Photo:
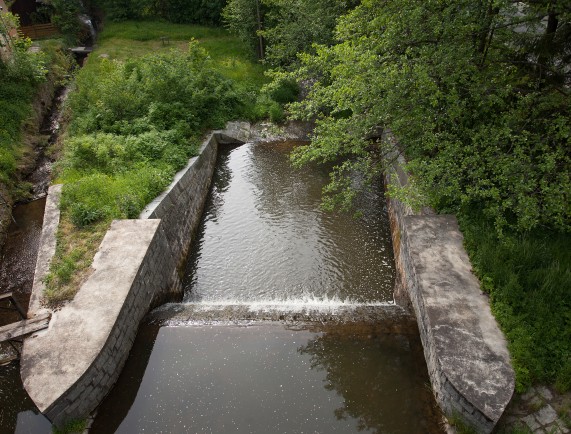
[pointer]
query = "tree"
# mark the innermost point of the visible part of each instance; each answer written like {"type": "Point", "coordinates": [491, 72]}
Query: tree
{"type": "Point", "coordinates": [293, 26]}
{"type": "Point", "coordinates": [477, 92]}
{"type": "Point", "coordinates": [245, 18]}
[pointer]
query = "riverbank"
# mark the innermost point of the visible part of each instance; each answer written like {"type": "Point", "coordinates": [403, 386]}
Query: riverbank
{"type": "Point", "coordinates": [137, 112]}
{"type": "Point", "coordinates": [25, 104]}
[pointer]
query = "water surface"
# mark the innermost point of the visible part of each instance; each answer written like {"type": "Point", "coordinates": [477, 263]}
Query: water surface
{"type": "Point", "coordinates": [271, 379]}
{"type": "Point", "coordinates": [265, 239]}
{"type": "Point", "coordinates": [265, 245]}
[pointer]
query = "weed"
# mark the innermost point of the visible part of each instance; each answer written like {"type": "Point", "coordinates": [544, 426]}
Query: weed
{"type": "Point", "coordinates": [72, 427]}
{"type": "Point", "coordinates": [528, 277]}
{"type": "Point", "coordinates": [461, 426]}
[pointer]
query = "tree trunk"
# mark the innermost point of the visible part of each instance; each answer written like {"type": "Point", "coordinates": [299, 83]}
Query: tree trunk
{"type": "Point", "coordinates": [261, 50]}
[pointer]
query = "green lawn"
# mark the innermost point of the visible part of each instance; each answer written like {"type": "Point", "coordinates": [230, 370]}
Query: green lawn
{"type": "Point", "coordinates": [130, 39]}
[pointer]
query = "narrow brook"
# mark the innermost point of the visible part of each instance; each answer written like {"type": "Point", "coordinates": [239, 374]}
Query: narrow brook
{"type": "Point", "coordinates": [280, 329]}
{"type": "Point", "coordinates": [17, 262]}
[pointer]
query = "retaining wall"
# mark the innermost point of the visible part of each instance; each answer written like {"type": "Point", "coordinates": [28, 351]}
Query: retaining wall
{"type": "Point", "coordinates": [69, 368]}
{"type": "Point", "coordinates": [465, 351]}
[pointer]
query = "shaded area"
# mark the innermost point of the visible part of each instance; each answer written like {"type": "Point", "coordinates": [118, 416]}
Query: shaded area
{"type": "Point", "coordinates": [18, 414]}
{"type": "Point", "coordinates": [19, 253]}
{"type": "Point", "coordinates": [382, 379]}
{"type": "Point", "coordinates": [271, 378]}
{"type": "Point", "coordinates": [117, 405]}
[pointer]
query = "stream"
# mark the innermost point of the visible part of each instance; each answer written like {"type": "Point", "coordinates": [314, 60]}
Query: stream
{"type": "Point", "coordinates": [266, 249]}
{"type": "Point", "coordinates": [17, 264]}
{"type": "Point", "coordinates": [280, 328]}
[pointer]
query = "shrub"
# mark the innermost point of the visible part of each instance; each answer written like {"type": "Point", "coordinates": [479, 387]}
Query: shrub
{"type": "Point", "coordinates": [284, 91]}
{"type": "Point", "coordinates": [528, 277]}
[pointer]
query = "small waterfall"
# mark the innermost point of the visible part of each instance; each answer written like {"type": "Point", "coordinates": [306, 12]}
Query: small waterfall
{"type": "Point", "coordinates": [331, 311]}
{"type": "Point", "coordinates": [85, 19]}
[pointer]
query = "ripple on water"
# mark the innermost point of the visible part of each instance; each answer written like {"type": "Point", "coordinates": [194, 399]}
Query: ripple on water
{"type": "Point", "coordinates": [264, 236]}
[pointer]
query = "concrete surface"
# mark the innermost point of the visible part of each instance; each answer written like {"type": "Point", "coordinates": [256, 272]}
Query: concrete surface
{"type": "Point", "coordinates": [465, 346]}
{"type": "Point", "coordinates": [53, 361]}
{"type": "Point", "coordinates": [46, 249]}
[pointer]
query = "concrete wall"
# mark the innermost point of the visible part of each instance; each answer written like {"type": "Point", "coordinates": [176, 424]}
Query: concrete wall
{"type": "Point", "coordinates": [465, 352]}
{"type": "Point", "coordinates": [69, 368]}
{"type": "Point", "coordinates": [179, 208]}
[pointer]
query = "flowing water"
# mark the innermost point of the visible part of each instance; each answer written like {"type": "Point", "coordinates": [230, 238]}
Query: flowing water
{"type": "Point", "coordinates": [265, 240]}
{"type": "Point", "coordinates": [328, 362]}
{"type": "Point", "coordinates": [17, 411]}
{"type": "Point", "coordinates": [17, 263]}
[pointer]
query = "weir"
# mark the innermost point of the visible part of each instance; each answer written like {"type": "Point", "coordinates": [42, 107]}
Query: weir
{"type": "Point", "coordinates": [288, 322]}
{"type": "Point", "coordinates": [254, 261]}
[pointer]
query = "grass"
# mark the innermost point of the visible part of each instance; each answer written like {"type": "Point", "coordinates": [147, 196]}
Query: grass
{"type": "Point", "coordinates": [134, 122]}
{"type": "Point", "coordinates": [528, 278]}
{"type": "Point", "coordinates": [19, 86]}
{"type": "Point", "coordinates": [130, 39]}
{"type": "Point", "coordinates": [72, 260]}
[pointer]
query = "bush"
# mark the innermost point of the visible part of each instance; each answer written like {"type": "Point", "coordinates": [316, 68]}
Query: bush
{"type": "Point", "coordinates": [98, 196]}
{"type": "Point", "coordinates": [165, 91]}
{"type": "Point", "coordinates": [134, 124]}
{"type": "Point", "coordinates": [284, 91]}
{"type": "Point", "coordinates": [528, 277]}
{"type": "Point", "coordinates": [276, 113]}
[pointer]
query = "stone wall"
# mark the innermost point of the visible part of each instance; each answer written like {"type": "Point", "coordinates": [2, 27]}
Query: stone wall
{"type": "Point", "coordinates": [69, 368]}
{"type": "Point", "coordinates": [179, 208]}
{"type": "Point", "coordinates": [465, 352]}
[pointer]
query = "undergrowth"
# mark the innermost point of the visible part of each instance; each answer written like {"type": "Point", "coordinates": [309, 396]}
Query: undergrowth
{"type": "Point", "coordinates": [20, 78]}
{"type": "Point", "coordinates": [528, 279]}
{"type": "Point", "coordinates": [135, 117]}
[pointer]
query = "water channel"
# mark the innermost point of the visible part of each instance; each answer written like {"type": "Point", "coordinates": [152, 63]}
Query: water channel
{"type": "Point", "coordinates": [265, 245]}
{"type": "Point", "coordinates": [265, 249]}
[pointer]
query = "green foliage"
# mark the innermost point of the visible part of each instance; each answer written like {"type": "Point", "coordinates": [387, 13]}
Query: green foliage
{"type": "Point", "coordinates": [244, 18]}
{"type": "Point", "coordinates": [528, 277]}
{"type": "Point", "coordinates": [134, 124]}
{"type": "Point", "coordinates": [181, 92]}
{"type": "Point", "coordinates": [283, 91]}
{"type": "Point", "coordinates": [20, 74]}
{"type": "Point", "coordinates": [294, 26]}
{"type": "Point", "coordinates": [100, 196]}
{"type": "Point", "coordinates": [66, 18]}
{"type": "Point", "coordinates": [122, 10]}
{"type": "Point", "coordinates": [277, 30]}
{"type": "Point", "coordinates": [72, 427]}
{"type": "Point", "coordinates": [176, 11]}
{"type": "Point", "coordinates": [479, 123]}
{"type": "Point", "coordinates": [191, 11]}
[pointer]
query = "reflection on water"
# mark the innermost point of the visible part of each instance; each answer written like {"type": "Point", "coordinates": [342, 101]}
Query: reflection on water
{"type": "Point", "coordinates": [17, 263]}
{"type": "Point", "coordinates": [18, 414]}
{"type": "Point", "coordinates": [271, 379]}
{"type": "Point", "coordinates": [18, 258]}
{"type": "Point", "coordinates": [265, 238]}
{"type": "Point", "coordinates": [381, 378]}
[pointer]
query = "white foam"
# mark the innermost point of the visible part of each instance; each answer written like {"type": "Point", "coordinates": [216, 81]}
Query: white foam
{"type": "Point", "coordinates": [308, 303]}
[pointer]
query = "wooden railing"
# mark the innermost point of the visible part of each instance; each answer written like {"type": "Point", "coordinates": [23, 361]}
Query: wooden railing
{"type": "Point", "coordinates": [38, 31]}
